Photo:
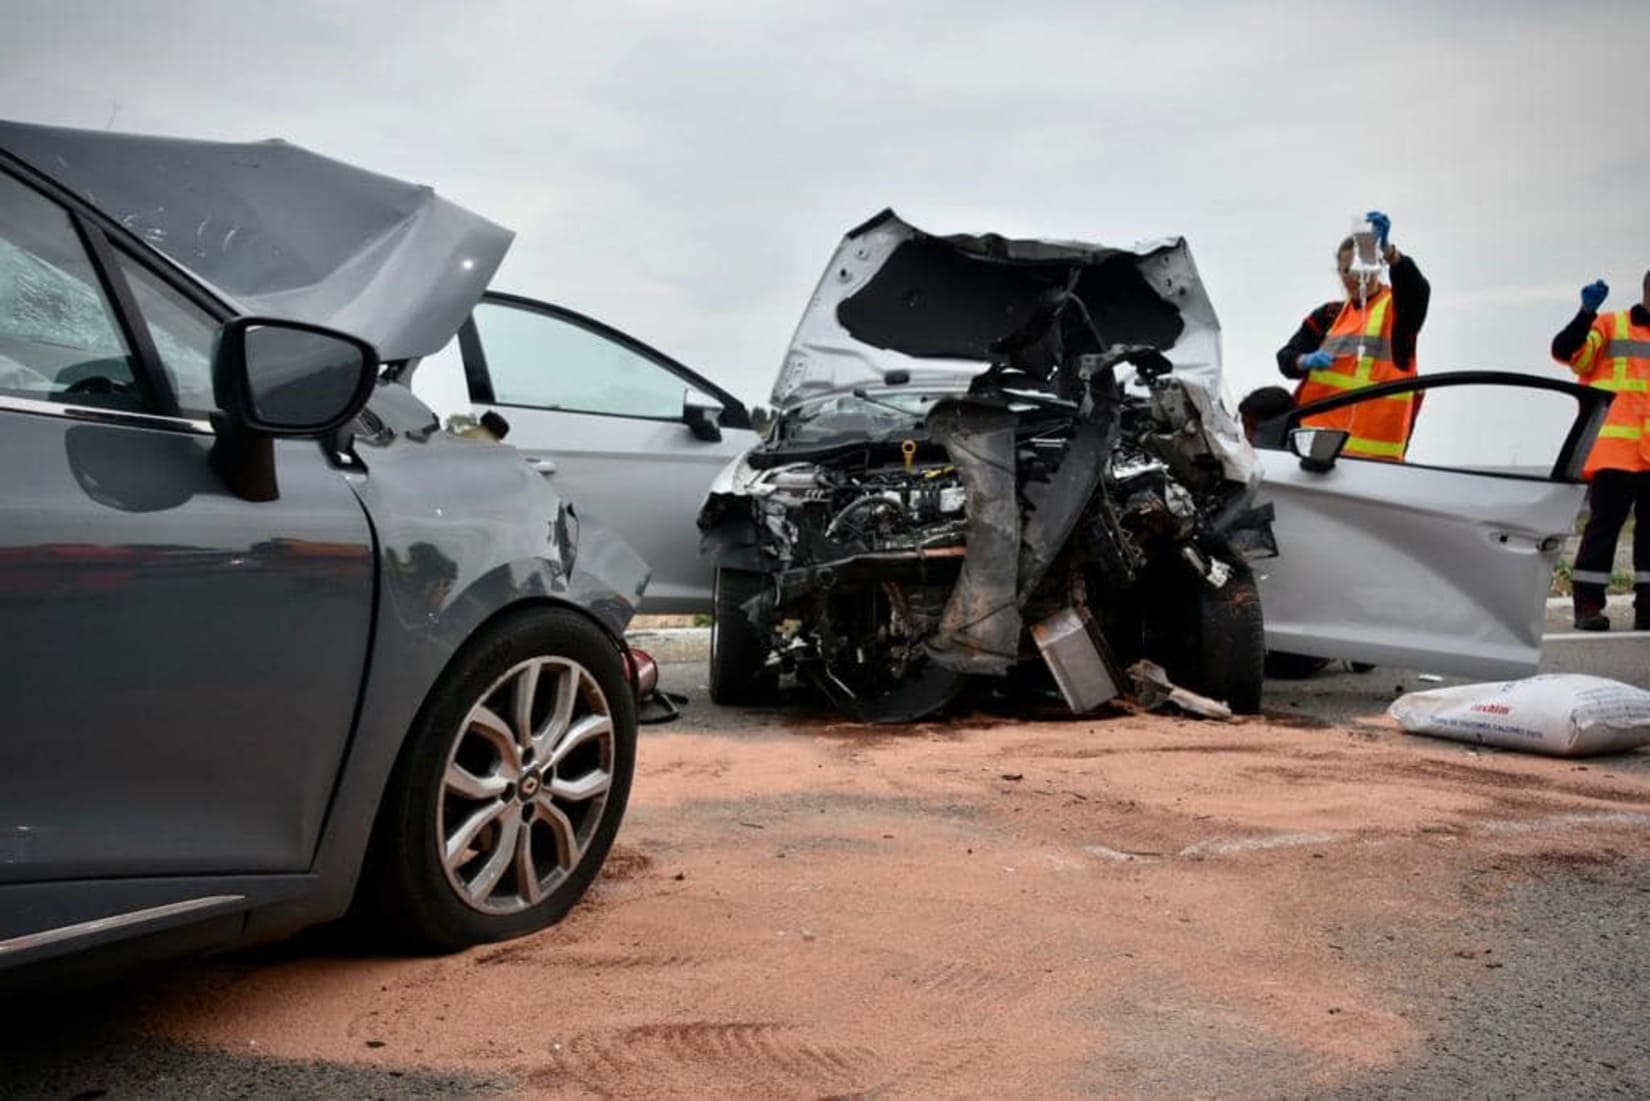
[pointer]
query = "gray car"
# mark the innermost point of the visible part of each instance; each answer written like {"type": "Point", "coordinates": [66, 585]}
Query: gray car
{"type": "Point", "coordinates": [274, 643]}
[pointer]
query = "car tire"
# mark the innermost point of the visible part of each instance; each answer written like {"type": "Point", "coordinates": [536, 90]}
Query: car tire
{"type": "Point", "coordinates": [507, 795]}
{"type": "Point", "coordinates": [1227, 658]}
{"type": "Point", "coordinates": [739, 673]}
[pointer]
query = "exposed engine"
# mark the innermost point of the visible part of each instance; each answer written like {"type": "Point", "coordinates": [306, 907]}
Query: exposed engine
{"type": "Point", "coordinates": [901, 565]}
{"type": "Point", "coordinates": [960, 485]}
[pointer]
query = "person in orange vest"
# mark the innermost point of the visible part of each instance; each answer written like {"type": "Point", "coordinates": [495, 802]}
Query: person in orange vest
{"type": "Point", "coordinates": [1612, 351]}
{"type": "Point", "coordinates": [1367, 338]}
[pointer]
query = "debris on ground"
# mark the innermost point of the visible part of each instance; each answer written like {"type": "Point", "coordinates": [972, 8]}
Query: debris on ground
{"type": "Point", "coordinates": [1558, 714]}
{"type": "Point", "coordinates": [1153, 690]}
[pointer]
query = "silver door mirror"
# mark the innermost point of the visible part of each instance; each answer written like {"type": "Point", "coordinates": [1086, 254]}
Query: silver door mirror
{"type": "Point", "coordinates": [703, 415]}
{"type": "Point", "coordinates": [1318, 448]}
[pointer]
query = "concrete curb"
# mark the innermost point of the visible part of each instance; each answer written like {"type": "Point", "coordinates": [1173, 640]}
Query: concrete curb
{"type": "Point", "coordinates": [673, 643]}
{"type": "Point", "coordinates": [1561, 613]}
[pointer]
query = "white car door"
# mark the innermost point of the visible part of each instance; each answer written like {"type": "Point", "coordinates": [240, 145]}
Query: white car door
{"type": "Point", "coordinates": [1442, 562]}
{"type": "Point", "coordinates": [630, 436]}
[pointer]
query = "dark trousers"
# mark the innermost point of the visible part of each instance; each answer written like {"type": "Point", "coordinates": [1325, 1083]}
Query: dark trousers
{"type": "Point", "coordinates": [1612, 495]}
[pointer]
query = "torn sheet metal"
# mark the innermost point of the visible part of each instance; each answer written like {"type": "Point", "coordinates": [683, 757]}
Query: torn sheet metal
{"type": "Point", "coordinates": [1153, 689]}
{"type": "Point", "coordinates": [994, 470]}
{"type": "Point", "coordinates": [979, 631]}
{"type": "Point", "coordinates": [280, 231]}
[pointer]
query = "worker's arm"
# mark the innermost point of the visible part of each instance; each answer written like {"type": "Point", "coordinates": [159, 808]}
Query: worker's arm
{"type": "Point", "coordinates": [1411, 294]}
{"type": "Point", "coordinates": [1307, 339]}
{"type": "Point", "coordinates": [1577, 344]}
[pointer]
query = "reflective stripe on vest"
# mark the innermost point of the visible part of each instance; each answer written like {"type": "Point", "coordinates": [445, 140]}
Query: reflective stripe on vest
{"type": "Point", "coordinates": [1620, 350]}
{"type": "Point", "coordinates": [1368, 348]}
{"type": "Point", "coordinates": [1381, 449]}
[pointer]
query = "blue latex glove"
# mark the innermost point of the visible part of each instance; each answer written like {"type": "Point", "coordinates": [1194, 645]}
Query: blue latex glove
{"type": "Point", "coordinates": [1317, 361]}
{"type": "Point", "coordinates": [1382, 224]}
{"type": "Point", "coordinates": [1593, 295]}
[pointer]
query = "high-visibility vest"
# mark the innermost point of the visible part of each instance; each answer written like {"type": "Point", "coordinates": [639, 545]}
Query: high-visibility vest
{"type": "Point", "coordinates": [1361, 342]}
{"type": "Point", "coordinates": [1616, 357]}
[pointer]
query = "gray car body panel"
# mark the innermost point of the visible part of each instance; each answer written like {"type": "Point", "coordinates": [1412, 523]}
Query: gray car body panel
{"type": "Point", "coordinates": [279, 231]}
{"type": "Point", "coordinates": [156, 624]}
{"type": "Point", "coordinates": [465, 533]}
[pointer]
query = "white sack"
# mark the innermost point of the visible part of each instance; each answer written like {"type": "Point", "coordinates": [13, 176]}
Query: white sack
{"type": "Point", "coordinates": [1559, 714]}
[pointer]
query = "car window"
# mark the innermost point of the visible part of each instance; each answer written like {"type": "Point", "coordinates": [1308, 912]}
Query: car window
{"type": "Point", "coordinates": [539, 360]}
{"type": "Point", "coordinates": [1504, 429]}
{"type": "Point", "coordinates": [59, 339]}
{"type": "Point", "coordinates": [182, 333]}
{"type": "Point", "coordinates": [1487, 427]}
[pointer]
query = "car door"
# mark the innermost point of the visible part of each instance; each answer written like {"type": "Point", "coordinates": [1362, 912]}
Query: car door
{"type": "Point", "coordinates": [180, 667]}
{"type": "Point", "coordinates": [1442, 562]}
{"type": "Point", "coordinates": [605, 416]}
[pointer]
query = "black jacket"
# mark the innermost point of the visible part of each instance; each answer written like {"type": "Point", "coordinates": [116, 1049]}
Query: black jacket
{"type": "Point", "coordinates": [1410, 295]}
{"type": "Point", "coordinates": [1572, 336]}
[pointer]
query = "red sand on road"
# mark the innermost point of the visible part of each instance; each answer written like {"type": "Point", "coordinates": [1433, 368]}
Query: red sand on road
{"type": "Point", "coordinates": [1043, 908]}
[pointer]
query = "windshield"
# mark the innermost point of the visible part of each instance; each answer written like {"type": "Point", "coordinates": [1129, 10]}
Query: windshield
{"type": "Point", "coordinates": [873, 417]}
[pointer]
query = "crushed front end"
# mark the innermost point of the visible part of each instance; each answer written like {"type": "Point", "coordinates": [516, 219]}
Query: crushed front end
{"type": "Point", "coordinates": [1030, 519]}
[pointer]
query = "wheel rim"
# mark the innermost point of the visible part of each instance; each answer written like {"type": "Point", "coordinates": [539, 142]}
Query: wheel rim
{"type": "Point", "coordinates": [524, 786]}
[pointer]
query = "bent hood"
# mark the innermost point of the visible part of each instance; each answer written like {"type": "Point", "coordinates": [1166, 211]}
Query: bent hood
{"type": "Point", "coordinates": [940, 308]}
{"type": "Point", "coordinates": [279, 231]}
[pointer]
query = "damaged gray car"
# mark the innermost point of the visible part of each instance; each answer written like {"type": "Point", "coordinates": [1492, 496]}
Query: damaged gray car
{"type": "Point", "coordinates": [996, 459]}
{"type": "Point", "coordinates": [277, 648]}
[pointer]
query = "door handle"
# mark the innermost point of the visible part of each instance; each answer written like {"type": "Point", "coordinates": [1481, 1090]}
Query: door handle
{"type": "Point", "coordinates": [543, 466]}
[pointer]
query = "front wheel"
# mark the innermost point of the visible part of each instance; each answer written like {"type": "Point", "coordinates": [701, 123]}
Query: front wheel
{"type": "Point", "coordinates": [739, 672]}
{"type": "Point", "coordinates": [508, 794]}
{"type": "Point", "coordinates": [1224, 653]}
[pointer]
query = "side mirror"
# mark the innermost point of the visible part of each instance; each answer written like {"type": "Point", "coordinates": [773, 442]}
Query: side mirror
{"type": "Point", "coordinates": [703, 416]}
{"type": "Point", "coordinates": [274, 378]}
{"type": "Point", "coordinates": [1318, 448]}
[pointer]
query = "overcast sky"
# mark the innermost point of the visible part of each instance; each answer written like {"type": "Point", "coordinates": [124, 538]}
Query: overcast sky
{"type": "Point", "coordinates": [683, 171]}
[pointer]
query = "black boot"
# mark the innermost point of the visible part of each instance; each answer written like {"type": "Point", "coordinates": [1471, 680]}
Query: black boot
{"type": "Point", "coordinates": [1594, 621]}
{"type": "Point", "coordinates": [1641, 619]}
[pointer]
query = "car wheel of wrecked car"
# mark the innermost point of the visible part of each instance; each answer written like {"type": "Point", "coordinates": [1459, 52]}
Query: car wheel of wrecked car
{"type": "Point", "coordinates": [738, 651]}
{"type": "Point", "coordinates": [510, 789]}
{"type": "Point", "coordinates": [1223, 653]}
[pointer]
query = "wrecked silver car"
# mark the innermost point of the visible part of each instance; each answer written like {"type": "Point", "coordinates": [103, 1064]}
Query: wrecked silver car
{"type": "Point", "coordinates": [996, 459]}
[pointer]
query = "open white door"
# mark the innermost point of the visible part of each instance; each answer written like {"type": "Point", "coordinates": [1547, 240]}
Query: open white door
{"type": "Point", "coordinates": [1436, 563]}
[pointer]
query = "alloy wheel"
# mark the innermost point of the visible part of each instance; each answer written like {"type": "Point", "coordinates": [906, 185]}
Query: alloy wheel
{"type": "Point", "coordinates": [525, 782]}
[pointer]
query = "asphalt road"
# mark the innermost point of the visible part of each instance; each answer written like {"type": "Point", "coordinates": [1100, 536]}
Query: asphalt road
{"type": "Point", "coordinates": [1546, 997]}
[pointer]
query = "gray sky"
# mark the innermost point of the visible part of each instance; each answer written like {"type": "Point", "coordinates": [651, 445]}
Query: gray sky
{"type": "Point", "coordinates": [683, 171]}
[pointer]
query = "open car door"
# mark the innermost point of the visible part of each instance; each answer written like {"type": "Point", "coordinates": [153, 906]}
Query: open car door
{"type": "Point", "coordinates": [1442, 562]}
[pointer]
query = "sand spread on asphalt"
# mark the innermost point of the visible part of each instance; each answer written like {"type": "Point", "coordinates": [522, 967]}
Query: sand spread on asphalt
{"type": "Point", "coordinates": [1137, 904]}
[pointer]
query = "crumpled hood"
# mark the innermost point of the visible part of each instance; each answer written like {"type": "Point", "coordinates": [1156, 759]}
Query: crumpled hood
{"type": "Point", "coordinates": [279, 231]}
{"type": "Point", "coordinates": [938, 308]}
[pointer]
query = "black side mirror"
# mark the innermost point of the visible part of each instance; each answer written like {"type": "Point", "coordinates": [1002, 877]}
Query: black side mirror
{"type": "Point", "coordinates": [703, 416]}
{"type": "Point", "coordinates": [1318, 448]}
{"type": "Point", "coordinates": [275, 378]}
